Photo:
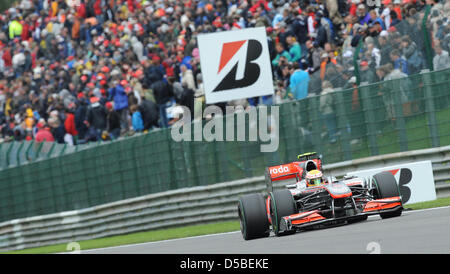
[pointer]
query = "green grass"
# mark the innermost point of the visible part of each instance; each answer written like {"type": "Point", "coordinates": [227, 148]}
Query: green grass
{"type": "Point", "coordinates": [139, 237]}
{"type": "Point", "coordinates": [436, 203]}
{"type": "Point", "coordinates": [174, 233]}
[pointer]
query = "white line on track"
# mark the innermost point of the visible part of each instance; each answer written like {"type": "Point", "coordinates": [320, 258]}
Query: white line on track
{"type": "Point", "coordinates": [233, 232]}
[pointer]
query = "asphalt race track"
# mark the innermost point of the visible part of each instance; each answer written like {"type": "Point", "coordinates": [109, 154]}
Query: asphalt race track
{"type": "Point", "coordinates": [420, 231]}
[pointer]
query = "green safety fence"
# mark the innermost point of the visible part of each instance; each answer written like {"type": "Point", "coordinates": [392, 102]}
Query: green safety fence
{"type": "Point", "coordinates": [19, 153]}
{"type": "Point", "coordinates": [367, 118]}
{"type": "Point", "coordinates": [385, 117]}
{"type": "Point", "coordinates": [6, 4]}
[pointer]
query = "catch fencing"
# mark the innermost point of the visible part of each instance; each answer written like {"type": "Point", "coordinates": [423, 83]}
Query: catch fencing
{"type": "Point", "coordinates": [186, 206]}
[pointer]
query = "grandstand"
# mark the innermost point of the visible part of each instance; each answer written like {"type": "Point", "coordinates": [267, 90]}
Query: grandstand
{"type": "Point", "coordinates": [72, 70]}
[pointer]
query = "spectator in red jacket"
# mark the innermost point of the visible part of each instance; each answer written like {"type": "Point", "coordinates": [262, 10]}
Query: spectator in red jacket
{"type": "Point", "coordinates": [98, 11]}
{"type": "Point", "coordinates": [43, 134]}
{"type": "Point", "coordinates": [69, 123]}
{"type": "Point", "coordinates": [25, 30]}
{"type": "Point", "coordinates": [7, 58]}
{"type": "Point", "coordinates": [81, 10]}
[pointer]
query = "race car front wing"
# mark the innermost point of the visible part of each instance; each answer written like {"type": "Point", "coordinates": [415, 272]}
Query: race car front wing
{"type": "Point", "coordinates": [314, 217]}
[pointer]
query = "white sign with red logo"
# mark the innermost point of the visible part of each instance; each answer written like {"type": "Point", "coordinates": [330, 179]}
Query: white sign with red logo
{"type": "Point", "coordinates": [235, 64]}
{"type": "Point", "coordinates": [415, 180]}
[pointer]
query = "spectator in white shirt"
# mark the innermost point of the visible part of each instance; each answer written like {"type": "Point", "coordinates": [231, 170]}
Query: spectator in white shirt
{"type": "Point", "coordinates": [441, 60]}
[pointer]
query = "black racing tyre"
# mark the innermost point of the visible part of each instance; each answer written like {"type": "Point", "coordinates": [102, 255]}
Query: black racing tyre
{"type": "Point", "coordinates": [387, 187]}
{"type": "Point", "coordinates": [253, 217]}
{"type": "Point", "coordinates": [282, 204]}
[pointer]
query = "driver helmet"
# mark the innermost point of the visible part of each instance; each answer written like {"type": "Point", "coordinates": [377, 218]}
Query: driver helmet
{"type": "Point", "coordinates": [314, 178]}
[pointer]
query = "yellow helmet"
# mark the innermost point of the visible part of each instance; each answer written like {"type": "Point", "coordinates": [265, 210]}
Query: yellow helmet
{"type": "Point", "coordinates": [314, 178]}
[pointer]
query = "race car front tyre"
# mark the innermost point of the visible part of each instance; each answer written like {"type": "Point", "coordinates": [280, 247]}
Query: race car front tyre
{"type": "Point", "coordinates": [252, 217]}
{"type": "Point", "coordinates": [387, 187]}
{"type": "Point", "coordinates": [281, 204]}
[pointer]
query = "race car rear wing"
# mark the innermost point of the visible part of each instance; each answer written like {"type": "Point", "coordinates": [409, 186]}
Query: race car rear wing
{"type": "Point", "coordinates": [308, 156]}
{"type": "Point", "coordinates": [288, 173]}
{"type": "Point", "coordinates": [292, 172]}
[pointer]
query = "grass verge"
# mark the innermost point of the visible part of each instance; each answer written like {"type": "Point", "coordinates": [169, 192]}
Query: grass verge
{"type": "Point", "coordinates": [179, 232]}
{"type": "Point", "coordinates": [436, 203]}
{"type": "Point", "coordinates": [139, 237]}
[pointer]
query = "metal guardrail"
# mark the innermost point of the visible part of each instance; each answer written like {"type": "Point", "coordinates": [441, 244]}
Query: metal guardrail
{"type": "Point", "coordinates": [186, 206]}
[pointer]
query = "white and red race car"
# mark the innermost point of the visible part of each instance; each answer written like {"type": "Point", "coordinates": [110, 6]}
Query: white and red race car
{"type": "Point", "coordinates": [297, 207]}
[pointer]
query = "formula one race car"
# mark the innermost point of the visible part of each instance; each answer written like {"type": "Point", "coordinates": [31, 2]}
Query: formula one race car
{"type": "Point", "coordinates": [311, 201]}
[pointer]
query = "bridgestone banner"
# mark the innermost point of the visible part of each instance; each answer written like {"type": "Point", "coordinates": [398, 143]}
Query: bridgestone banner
{"type": "Point", "coordinates": [235, 64]}
{"type": "Point", "coordinates": [415, 180]}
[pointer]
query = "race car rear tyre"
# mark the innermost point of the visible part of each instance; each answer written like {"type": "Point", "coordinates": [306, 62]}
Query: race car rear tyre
{"type": "Point", "coordinates": [387, 187]}
{"type": "Point", "coordinates": [281, 204]}
{"type": "Point", "coordinates": [252, 217]}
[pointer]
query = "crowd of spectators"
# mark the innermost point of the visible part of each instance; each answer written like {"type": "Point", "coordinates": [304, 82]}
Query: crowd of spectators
{"type": "Point", "coordinates": [75, 71]}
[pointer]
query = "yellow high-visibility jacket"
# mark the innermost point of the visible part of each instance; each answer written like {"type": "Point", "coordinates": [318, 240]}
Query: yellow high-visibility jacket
{"type": "Point", "coordinates": [15, 29]}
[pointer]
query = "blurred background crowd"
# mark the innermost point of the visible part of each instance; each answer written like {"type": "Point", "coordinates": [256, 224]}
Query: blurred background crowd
{"type": "Point", "coordinates": [76, 71]}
